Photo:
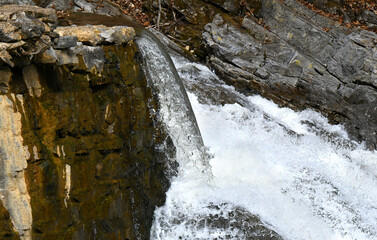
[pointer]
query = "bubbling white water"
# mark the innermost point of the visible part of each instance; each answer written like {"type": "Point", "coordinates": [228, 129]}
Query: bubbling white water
{"type": "Point", "coordinates": [276, 164]}
{"type": "Point", "coordinates": [307, 187]}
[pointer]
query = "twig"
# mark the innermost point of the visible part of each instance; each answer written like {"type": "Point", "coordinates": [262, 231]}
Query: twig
{"type": "Point", "coordinates": [162, 25]}
{"type": "Point", "coordinates": [172, 9]}
{"type": "Point", "coordinates": [159, 14]}
{"type": "Point", "coordinates": [179, 40]}
{"type": "Point", "coordinates": [174, 24]}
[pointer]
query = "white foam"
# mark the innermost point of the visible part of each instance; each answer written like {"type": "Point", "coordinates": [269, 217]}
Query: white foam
{"type": "Point", "coordinates": [304, 185]}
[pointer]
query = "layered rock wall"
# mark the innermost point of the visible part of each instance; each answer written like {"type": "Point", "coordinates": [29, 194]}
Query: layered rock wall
{"type": "Point", "coordinates": [13, 191]}
{"type": "Point", "coordinates": [302, 60]}
{"type": "Point", "coordinates": [83, 155]}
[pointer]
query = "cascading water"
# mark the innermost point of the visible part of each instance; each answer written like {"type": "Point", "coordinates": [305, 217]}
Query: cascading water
{"type": "Point", "coordinates": [276, 173]}
{"type": "Point", "coordinates": [176, 112]}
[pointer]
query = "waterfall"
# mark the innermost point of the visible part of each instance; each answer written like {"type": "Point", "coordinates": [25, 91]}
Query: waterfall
{"type": "Point", "coordinates": [175, 108]}
{"type": "Point", "coordinates": [277, 173]}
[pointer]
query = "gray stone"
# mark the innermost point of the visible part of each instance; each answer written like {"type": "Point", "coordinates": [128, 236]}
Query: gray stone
{"type": "Point", "coordinates": [43, 14]}
{"type": "Point", "coordinates": [370, 17]}
{"type": "Point", "coordinates": [364, 39]}
{"type": "Point", "coordinates": [18, 2]}
{"type": "Point", "coordinates": [65, 42]}
{"type": "Point", "coordinates": [93, 57]}
{"type": "Point", "coordinates": [300, 59]}
{"type": "Point", "coordinates": [262, 73]}
{"type": "Point", "coordinates": [30, 28]}
{"type": "Point", "coordinates": [103, 7]}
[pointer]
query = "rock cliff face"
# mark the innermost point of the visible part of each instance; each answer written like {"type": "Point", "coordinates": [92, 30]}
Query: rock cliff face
{"type": "Point", "coordinates": [287, 53]}
{"type": "Point", "coordinates": [83, 155]}
{"type": "Point", "coordinates": [302, 61]}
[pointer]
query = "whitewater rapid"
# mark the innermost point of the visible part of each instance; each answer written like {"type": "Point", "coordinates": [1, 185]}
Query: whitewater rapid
{"type": "Point", "coordinates": [299, 174]}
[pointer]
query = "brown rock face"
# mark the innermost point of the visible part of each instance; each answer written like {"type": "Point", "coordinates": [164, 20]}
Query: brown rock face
{"type": "Point", "coordinates": [96, 161]}
{"type": "Point", "coordinates": [102, 131]}
{"type": "Point", "coordinates": [7, 231]}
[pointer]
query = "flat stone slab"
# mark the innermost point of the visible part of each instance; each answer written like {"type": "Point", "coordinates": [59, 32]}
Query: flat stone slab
{"type": "Point", "coordinates": [98, 34]}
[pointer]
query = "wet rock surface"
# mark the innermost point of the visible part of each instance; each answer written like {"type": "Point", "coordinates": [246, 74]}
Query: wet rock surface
{"type": "Point", "coordinates": [245, 224]}
{"type": "Point", "coordinates": [220, 221]}
{"type": "Point", "coordinates": [97, 155]}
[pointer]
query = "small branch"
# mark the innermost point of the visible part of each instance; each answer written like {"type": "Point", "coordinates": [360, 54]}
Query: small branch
{"type": "Point", "coordinates": [172, 9]}
{"type": "Point", "coordinates": [159, 15]}
{"type": "Point", "coordinates": [176, 39]}
{"type": "Point", "coordinates": [162, 25]}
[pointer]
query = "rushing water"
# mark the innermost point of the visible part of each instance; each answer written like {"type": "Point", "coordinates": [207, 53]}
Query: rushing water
{"type": "Point", "coordinates": [176, 112]}
{"type": "Point", "coordinates": [294, 171]}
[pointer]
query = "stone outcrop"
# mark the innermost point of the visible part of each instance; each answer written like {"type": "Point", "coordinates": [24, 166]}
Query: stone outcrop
{"type": "Point", "coordinates": [83, 155]}
{"type": "Point", "coordinates": [302, 60]}
{"type": "Point", "coordinates": [287, 53]}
